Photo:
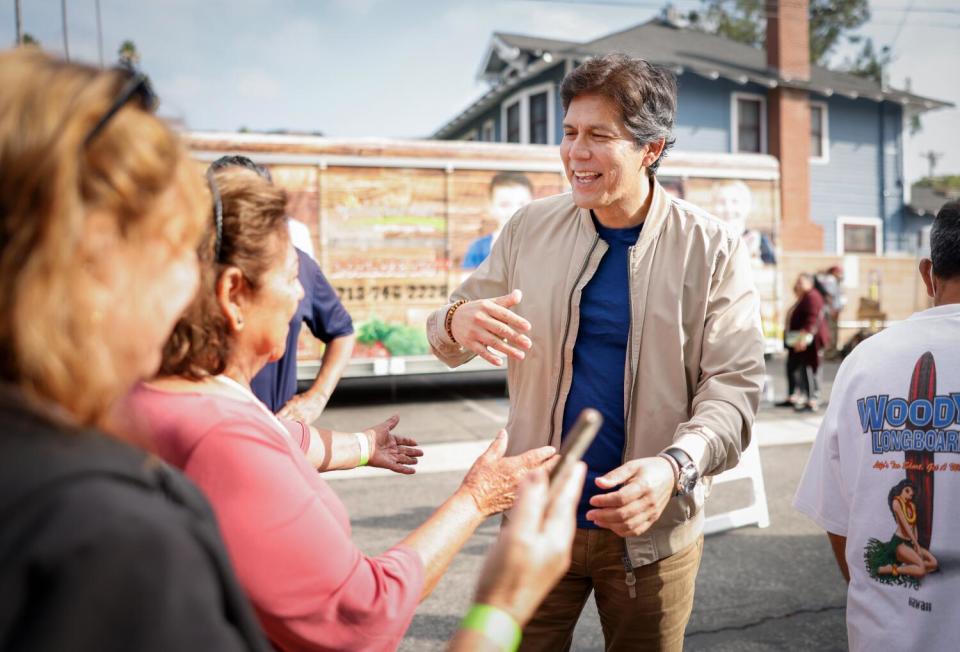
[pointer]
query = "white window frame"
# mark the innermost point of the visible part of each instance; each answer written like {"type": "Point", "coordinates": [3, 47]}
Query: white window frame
{"type": "Point", "coordinates": [504, 126]}
{"type": "Point", "coordinates": [523, 97]}
{"type": "Point", "coordinates": [488, 127]}
{"type": "Point", "coordinates": [843, 221]}
{"type": "Point", "coordinates": [824, 134]}
{"type": "Point", "coordinates": [735, 120]}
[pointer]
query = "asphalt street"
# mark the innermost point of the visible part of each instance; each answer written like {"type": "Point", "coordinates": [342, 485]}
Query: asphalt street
{"type": "Point", "coordinates": [772, 588]}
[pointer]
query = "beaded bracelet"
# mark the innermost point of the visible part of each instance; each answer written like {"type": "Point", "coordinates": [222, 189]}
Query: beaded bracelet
{"type": "Point", "coordinates": [448, 321]}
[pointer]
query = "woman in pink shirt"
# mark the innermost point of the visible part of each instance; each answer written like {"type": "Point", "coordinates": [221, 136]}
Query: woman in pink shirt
{"type": "Point", "coordinates": [287, 532]}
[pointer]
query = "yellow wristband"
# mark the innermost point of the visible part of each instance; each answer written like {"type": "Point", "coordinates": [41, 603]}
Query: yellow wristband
{"type": "Point", "coordinates": [364, 444]}
{"type": "Point", "coordinates": [495, 624]}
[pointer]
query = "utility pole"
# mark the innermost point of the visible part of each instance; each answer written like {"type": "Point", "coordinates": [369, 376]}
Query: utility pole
{"type": "Point", "coordinates": [66, 44]}
{"type": "Point", "coordinates": [932, 158]}
{"type": "Point", "coordinates": [16, 8]}
{"type": "Point", "coordinates": [99, 34]}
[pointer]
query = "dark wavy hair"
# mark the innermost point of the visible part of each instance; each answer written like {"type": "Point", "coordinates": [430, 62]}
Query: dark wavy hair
{"type": "Point", "coordinates": [646, 95]}
{"type": "Point", "coordinates": [254, 212]}
{"type": "Point", "coordinates": [945, 241]}
{"type": "Point", "coordinates": [897, 490]}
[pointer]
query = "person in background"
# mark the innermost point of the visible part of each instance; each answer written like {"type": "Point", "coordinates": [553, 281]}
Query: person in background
{"type": "Point", "coordinates": [830, 285]}
{"type": "Point", "coordinates": [883, 487]}
{"type": "Point", "coordinates": [509, 192]}
{"type": "Point", "coordinates": [102, 547]}
{"type": "Point", "coordinates": [287, 532]}
{"type": "Point", "coordinates": [805, 337]}
{"type": "Point", "coordinates": [324, 315]}
{"type": "Point", "coordinates": [732, 203]}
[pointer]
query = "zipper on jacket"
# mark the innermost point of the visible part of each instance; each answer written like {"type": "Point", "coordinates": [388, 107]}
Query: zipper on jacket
{"type": "Point", "coordinates": [566, 332]}
{"type": "Point", "coordinates": [633, 372]}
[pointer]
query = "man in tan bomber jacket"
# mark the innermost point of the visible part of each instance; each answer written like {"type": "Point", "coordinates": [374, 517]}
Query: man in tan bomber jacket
{"type": "Point", "coordinates": [618, 297]}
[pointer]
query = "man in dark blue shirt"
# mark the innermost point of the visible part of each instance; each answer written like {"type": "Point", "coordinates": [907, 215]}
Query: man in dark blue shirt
{"type": "Point", "coordinates": [600, 351]}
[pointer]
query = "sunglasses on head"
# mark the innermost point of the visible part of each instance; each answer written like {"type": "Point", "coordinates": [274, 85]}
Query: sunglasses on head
{"type": "Point", "coordinates": [217, 212]}
{"type": "Point", "coordinates": [136, 87]}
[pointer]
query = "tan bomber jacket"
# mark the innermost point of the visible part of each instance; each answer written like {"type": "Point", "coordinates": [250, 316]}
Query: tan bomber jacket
{"type": "Point", "coordinates": [695, 352]}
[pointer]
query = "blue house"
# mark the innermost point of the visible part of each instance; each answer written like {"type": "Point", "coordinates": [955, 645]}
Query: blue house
{"type": "Point", "coordinates": [727, 97]}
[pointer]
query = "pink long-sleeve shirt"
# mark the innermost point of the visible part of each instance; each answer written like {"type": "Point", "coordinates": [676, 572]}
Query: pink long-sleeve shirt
{"type": "Point", "coordinates": [287, 533]}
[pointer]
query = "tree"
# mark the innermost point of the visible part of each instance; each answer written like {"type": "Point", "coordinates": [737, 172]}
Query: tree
{"type": "Point", "coordinates": [128, 54]}
{"type": "Point", "coordinates": [30, 39]}
{"type": "Point", "coordinates": [870, 61]}
{"type": "Point", "coordinates": [745, 21]}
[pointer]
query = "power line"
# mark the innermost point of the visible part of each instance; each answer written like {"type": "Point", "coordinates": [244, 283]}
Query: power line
{"type": "Point", "coordinates": [903, 19]}
{"type": "Point", "coordinates": [770, 13]}
{"type": "Point", "coordinates": [772, 4]}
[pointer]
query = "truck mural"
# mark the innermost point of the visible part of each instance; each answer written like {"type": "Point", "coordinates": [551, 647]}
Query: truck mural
{"type": "Point", "coordinates": [396, 225]}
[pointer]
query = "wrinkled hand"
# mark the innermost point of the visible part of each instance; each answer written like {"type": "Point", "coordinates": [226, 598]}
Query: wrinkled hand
{"type": "Point", "coordinates": [303, 407]}
{"type": "Point", "coordinates": [484, 323]}
{"type": "Point", "coordinates": [390, 451]}
{"type": "Point", "coordinates": [647, 485]}
{"type": "Point", "coordinates": [533, 551]}
{"type": "Point", "coordinates": [492, 480]}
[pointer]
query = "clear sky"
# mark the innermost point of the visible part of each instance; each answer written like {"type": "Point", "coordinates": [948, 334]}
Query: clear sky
{"type": "Point", "coordinates": [402, 68]}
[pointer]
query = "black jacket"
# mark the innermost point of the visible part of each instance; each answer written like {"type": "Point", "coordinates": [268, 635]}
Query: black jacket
{"type": "Point", "coordinates": [105, 548]}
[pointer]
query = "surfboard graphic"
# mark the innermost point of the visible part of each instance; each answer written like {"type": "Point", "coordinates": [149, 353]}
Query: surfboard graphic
{"type": "Point", "coordinates": [923, 385]}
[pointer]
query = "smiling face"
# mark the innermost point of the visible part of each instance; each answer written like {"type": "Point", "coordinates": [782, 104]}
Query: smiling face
{"type": "Point", "coordinates": [603, 164]}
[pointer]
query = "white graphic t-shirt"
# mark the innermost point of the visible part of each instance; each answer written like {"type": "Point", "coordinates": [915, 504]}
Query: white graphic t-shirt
{"type": "Point", "coordinates": [885, 473]}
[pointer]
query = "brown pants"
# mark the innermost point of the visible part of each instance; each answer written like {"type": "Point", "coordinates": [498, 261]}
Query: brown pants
{"type": "Point", "coordinates": [654, 620]}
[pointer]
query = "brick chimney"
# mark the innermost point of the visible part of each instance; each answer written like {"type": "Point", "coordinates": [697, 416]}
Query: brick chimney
{"type": "Point", "coordinates": [788, 57]}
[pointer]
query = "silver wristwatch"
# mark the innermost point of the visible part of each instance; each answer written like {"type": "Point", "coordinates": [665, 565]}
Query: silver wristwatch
{"type": "Point", "coordinates": [688, 474]}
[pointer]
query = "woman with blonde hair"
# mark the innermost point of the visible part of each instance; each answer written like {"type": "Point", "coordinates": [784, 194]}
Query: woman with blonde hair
{"type": "Point", "coordinates": [102, 547]}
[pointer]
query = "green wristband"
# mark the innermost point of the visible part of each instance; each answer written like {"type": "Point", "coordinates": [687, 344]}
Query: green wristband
{"type": "Point", "coordinates": [364, 445]}
{"type": "Point", "coordinates": [496, 624]}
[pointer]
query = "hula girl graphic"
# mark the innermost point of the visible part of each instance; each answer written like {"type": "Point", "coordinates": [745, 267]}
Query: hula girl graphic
{"type": "Point", "coordinates": [902, 560]}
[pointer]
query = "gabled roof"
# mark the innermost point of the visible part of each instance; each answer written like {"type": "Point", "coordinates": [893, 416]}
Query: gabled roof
{"type": "Point", "coordinates": [516, 50]}
{"type": "Point", "coordinates": [714, 56]}
{"type": "Point", "coordinates": [511, 58]}
{"type": "Point", "coordinates": [925, 200]}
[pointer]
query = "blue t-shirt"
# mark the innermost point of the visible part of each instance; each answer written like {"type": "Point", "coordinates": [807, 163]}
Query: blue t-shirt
{"type": "Point", "coordinates": [477, 252]}
{"type": "Point", "coordinates": [326, 318]}
{"type": "Point", "coordinates": [600, 357]}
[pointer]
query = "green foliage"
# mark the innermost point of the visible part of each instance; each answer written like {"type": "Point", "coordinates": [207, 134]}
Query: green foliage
{"type": "Point", "coordinates": [869, 61]}
{"type": "Point", "coordinates": [406, 340]}
{"type": "Point", "coordinates": [745, 21]}
{"type": "Point", "coordinates": [945, 183]}
{"type": "Point", "coordinates": [128, 53]}
{"type": "Point", "coordinates": [916, 125]}
{"type": "Point", "coordinates": [830, 20]}
{"type": "Point", "coordinates": [372, 331]}
{"type": "Point", "coordinates": [398, 339]}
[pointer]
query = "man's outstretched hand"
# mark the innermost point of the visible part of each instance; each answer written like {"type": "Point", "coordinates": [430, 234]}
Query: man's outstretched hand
{"type": "Point", "coordinates": [490, 324]}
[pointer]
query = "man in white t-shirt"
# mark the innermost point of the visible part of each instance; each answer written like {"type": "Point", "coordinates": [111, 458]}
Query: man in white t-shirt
{"type": "Point", "coordinates": [883, 477]}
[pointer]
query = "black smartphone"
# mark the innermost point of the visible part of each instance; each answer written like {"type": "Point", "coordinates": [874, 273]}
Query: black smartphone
{"type": "Point", "coordinates": [578, 440]}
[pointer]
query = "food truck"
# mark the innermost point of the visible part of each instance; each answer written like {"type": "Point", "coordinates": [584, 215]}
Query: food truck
{"type": "Point", "coordinates": [397, 224]}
